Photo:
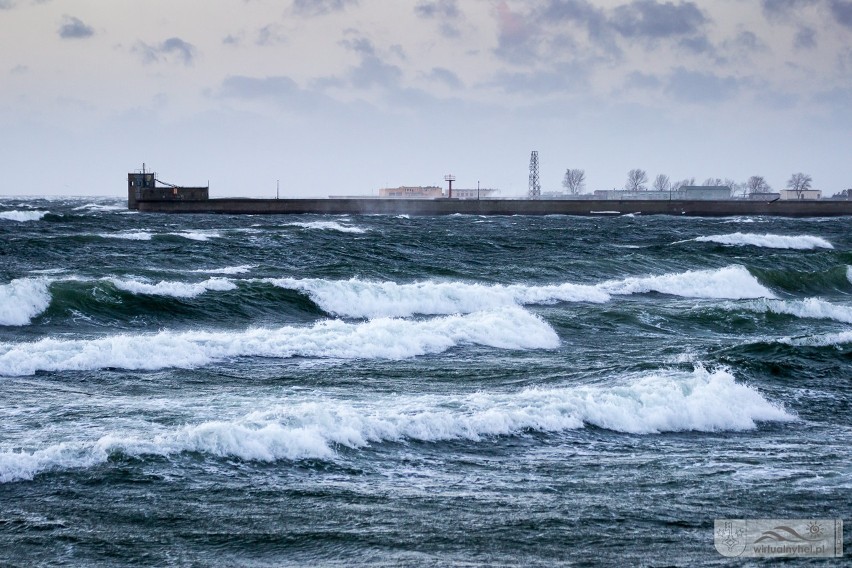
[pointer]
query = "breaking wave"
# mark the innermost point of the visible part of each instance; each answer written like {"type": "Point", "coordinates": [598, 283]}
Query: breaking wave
{"type": "Point", "coordinates": [129, 235]}
{"type": "Point", "coordinates": [797, 242]}
{"type": "Point", "coordinates": [507, 328]}
{"type": "Point", "coordinates": [173, 289]}
{"type": "Point", "coordinates": [731, 282]}
{"type": "Point", "coordinates": [328, 226]}
{"type": "Point", "coordinates": [361, 299]}
{"type": "Point", "coordinates": [23, 299]}
{"type": "Point", "coordinates": [809, 308]}
{"type": "Point", "coordinates": [22, 216]}
{"type": "Point", "coordinates": [242, 269]}
{"type": "Point", "coordinates": [147, 235]}
{"type": "Point", "coordinates": [824, 340]}
{"type": "Point", "coordinates": [364, 299]}
{"type": "Point", "coordinates": [665, 401]}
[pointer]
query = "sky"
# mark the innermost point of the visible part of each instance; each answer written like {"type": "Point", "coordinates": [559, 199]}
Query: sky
{"type": "Point", "coordinates": [343, 97]}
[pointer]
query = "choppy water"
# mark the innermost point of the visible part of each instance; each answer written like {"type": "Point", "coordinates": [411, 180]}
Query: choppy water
{"type": "Point", "coordinates": [266, 391]}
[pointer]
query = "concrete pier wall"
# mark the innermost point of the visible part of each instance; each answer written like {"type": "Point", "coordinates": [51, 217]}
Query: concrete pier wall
{"type": "Point", "coordinates": [823, 208]}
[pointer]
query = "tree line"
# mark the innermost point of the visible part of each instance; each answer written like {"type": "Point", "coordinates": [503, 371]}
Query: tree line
{"type": "Point", "coordinates": [637, 180]}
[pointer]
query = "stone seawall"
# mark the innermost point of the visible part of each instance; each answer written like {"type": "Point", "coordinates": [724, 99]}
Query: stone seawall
{"type": "Point", "coordinates": [823, 208]}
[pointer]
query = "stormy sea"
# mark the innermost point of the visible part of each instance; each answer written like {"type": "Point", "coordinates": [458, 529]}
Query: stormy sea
{"type": "Point", "coordinates": [214, 390]}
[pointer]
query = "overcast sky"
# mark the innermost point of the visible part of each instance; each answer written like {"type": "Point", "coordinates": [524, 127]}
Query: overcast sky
{"type": "Point", "coordinates": [346, 96]}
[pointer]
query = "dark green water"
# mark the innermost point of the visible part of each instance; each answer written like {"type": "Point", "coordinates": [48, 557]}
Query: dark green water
{"type": "Point", "coordinates": [268, 391]}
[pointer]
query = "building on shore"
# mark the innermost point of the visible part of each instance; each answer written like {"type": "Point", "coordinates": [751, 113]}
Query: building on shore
{"type": "Point", "coordinates": [683, 193]}
{"type": "Point", "coordinates": [434, 192]}
{"type": "Point", "coordinates": [411, 192]}
{"type": "Point", "coordinates": [764, 196]}
{"type": "Point", "coordinates": [804, 194]}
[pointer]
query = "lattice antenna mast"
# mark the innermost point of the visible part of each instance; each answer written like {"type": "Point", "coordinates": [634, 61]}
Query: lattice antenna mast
{"type": "Point", "coordinates": [535, 185]}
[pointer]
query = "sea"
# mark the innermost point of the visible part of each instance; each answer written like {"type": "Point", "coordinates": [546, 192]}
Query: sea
{"type": "Point", "coordinates": [307, 390]}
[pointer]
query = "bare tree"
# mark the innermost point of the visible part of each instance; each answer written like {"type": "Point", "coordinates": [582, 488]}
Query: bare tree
{"type": "Point", "coordinates": [757, 184]}
{"type": "Point", "coordinates": [662, 183]}
{"type": "Point", "coordinates": [736, 188]}
{"type": "Point", "coordinates": [574, 181]}
{"type": "Point", "coordinates": [636, 180]}
{"type": "Point", "coordinates": [713, 181]}
{"type": "Point", "coordinates": [679, 184]}
{"type": "Point", "coordinates": [799, 183]}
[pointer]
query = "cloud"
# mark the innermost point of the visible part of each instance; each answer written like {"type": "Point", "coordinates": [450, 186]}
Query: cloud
{"type": "Point", "coordinates": [648, 19]}
{"type": "Point", "coordinates": [320, 7]}
{"type": "Point", "coordinates": [445, 11]}
{"type": "Point", "coordinates": [696, 87]}
{"type": "Point", "coordinates": [74, 28]}
{"type": "Point", "coordinates": [783, 9]}
{"type": "Point", "coordinates": [437, 9]}
{"type": "Point", "coordinates": [516, 35]}
{"type": "Point", "coordinates": [371, 71]}
{"type": "Point", "coordinates": [749, 41]}
{"type": "Point", "coordinates": [805, 38]}
{"type": "Point", "coordinates": [842, 12]}
{"type": "Point", "coordinates": [19, 70]}
{"type": "Point", "coordinates": [639, 80]}
{"type": "Point", "coordinates": [172, 48]}
{"type": "Point", "coordinates": [241, 86]}
{"type": "Point", "coordinates": [699, 45]}
{"type": "Point", "coordinates": [446, 77]}
{"type": "Point", "coordinates": [270, 34]}
{"type": "Point", "coordinates": [563, 78]}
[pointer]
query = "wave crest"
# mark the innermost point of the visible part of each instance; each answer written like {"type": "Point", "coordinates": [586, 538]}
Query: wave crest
{"type": "Point", "coordinates": [508, 328]}
{"type": "Point", "coordinates": [796, 242]}
{"type": "Point", "coordinates": [22, 216]}
{"type": "Point", "coordinates": [665, 401]}
{"type": "Point", "coordinates": [23, 299]}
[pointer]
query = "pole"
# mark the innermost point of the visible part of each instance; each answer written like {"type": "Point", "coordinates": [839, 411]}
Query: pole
{"type": "Point", "coordinates": [277, 185]}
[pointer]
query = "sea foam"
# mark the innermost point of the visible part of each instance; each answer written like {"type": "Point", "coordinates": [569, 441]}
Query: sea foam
{"type": "Point", "coordinates": [797, 242]}
{"type": "Point", "coordinates": [173, 289]}
{"type": "Point", "coordinates": [22, 216]}
{"type": "Point", "coordinates": [663, 401]}
{"type": "Point", "coordinates": [23, 299]}
{"type": "Point", "coordinates": [506, 328]}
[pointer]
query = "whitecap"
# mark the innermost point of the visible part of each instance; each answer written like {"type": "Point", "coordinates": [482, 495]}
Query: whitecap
{"type": "Point", "coordinates": [663, 401]}
{"type": "Point", "coordinates": [129, 235]}
{"type": "Point", "coordinates": [363, 299]}
{"type": "Point", "coordinates": [22, 216]}
{"type": "Point", "coordinates": [809, 308]}
{"type": "Point", "coordinates": [731, 282]}
{"type": "Point", "coordinates": [796, 242]}
{"type": "Point", "coordinates": [328, 226]}
{"type": "Point", "coordinates": [173, 289]}
{"type": "Point", "coordinates": [23, 299]}
{"type": "Point", "coordinates": [508, 328]}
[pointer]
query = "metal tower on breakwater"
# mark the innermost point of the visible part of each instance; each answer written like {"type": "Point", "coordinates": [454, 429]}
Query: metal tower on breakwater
{"type": "Point", "coordinates": [535, 185]}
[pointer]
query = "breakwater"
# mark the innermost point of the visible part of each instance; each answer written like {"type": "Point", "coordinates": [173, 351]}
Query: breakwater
{"type": "Point", "coordinates": [355, 206]}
